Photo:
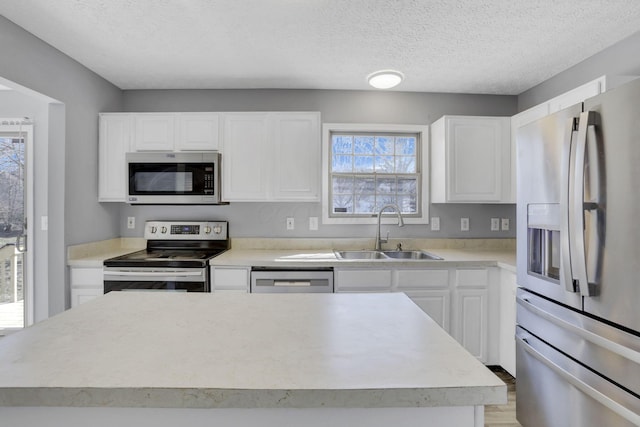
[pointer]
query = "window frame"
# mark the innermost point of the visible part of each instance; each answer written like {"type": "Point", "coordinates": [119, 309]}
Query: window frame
{"type": "Point", "coordinates": [422, 162]}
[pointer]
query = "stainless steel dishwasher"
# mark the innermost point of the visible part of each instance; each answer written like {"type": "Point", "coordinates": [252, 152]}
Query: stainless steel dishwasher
{"type": "Point", "coordinates": [278, 280]}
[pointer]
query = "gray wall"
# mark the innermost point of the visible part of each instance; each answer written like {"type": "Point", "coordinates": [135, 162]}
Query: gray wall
{"type": "Point", "coordinates": [75, 216]}
{"type": "Point", "coordinates": [621, 59]}
{"type": "Point", "coordinates": [268, 219]}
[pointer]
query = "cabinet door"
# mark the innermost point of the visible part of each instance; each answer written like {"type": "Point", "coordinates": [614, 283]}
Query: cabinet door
{"type": "Point", "coordinates": [508, 321]}
{"type": "Point", "coordinates": [82, 295]}
{"type": "Point", "coordinates": [296, 176]}
{"type": "Point", "coordinates": [478, 159]}
{"type": "Point", "coordinates": [247, 159]}
{"type": "Point", "coordinates": [362, 280]}
{"type": "Point", "coordinates": [113, 144]}
{"type": "Point", "coordinates": [198, 132]}
{"type": "Point", "coordinates": [225, 279]}
{"type": "Point", "coordinates": [154, 132]}
{"type": "Point", "coordinates": [435, 303]}
{"type": "Point", "coordinates": [471, 321]}
{"type": "Point", "coordinates": [86, 284]}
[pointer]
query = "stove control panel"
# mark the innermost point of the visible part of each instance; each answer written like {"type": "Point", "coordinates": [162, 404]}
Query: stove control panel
{"type": "Point", "coordinates": [186, 230]}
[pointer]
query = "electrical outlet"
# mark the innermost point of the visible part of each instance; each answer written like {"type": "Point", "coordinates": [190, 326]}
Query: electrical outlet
{"type": "Point", "coordinates": [464, 224]}
{"type": "Point", "coordinates": [290, 223]}
{"type": "Point", "coordinates": [131, 222]}
{"type": "Point", "coordinates": [505, 224]}
{"type": "Point", "coordinates": [495, 224]}
{"type": "Point", "coordinates": [313, 223]}
{"type": "Point", "coordinates": [435, 223]}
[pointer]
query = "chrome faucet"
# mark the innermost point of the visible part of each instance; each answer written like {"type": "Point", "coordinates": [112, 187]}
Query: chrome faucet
{"type": "Point", "coordinates": [380, 240]}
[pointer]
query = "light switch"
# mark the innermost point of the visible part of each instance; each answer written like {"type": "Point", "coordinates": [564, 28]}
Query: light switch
{"type": "Point", "coordinates": [131, 222]}
{"type": "Point", "coordinates": [505, 224]}
{"type": "Point", "coordinates": [290, 223]}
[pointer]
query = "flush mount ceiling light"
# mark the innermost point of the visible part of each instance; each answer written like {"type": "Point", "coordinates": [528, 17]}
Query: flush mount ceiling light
{"type": "Point", "coordinates": [385, 79]}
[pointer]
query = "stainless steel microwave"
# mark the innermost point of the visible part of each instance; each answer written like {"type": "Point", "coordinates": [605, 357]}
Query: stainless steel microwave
{"type": "Point", "coordinates": [161, 178]}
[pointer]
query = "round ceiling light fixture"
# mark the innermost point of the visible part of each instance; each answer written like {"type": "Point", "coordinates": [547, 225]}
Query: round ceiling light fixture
{"type": "Point", "coordinates": [385, 79]}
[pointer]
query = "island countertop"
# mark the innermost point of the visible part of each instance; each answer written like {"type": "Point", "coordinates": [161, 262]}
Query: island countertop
{"type": "Point", "coordinates": [174, 350]}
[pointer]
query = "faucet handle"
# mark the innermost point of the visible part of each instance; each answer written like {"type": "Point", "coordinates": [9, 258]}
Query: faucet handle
{"type": "Point", "coordinates": [399, 246]}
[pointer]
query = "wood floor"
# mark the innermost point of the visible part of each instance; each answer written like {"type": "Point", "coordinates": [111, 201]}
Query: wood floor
{"type": "Point", "coordinates": [503, 415]}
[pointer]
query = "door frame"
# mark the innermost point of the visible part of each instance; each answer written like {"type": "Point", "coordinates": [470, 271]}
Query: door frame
{"type": "Point", "coordinates": [15, 126]}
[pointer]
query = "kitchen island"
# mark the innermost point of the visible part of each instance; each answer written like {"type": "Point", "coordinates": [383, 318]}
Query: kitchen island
{"type": "Point", "coordinates": [160, 359]}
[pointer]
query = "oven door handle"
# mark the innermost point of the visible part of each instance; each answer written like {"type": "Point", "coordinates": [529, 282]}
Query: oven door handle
{"type": "Point", "coordinates": [153, 273]}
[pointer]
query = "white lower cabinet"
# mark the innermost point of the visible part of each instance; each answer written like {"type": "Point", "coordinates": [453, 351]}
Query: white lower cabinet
{"type": "Point", "coordinates": [471, 321]}
{"type": "Point", "coordinates": [429, 289]}
{"type": "Point", "coordinates": [508, 287]}
{"type": "Point", "coordinates": [436, 303]}
{"type": "Point", "coordinates": [230, 279]}
{"type": "Point", "coordinates": [86, 284]}
{"type": "Point", "coordinates": [351, 280]}
{"type": "Point", "coordinates": [462, 301]}
{"type": "Point", "coordinates": [475, 312]}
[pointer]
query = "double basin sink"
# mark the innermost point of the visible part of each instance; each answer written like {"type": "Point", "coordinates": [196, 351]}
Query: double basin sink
{"type": "Point", "coordinates": [386, 255]}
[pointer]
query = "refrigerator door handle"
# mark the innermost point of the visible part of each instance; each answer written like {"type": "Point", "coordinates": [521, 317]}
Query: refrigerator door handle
{"type": "Point", "coordinates": [552, 314]}
{"type": "Point", "coordinates": [566, 193]}
{"type": "Point", "coordinates": [587, 389]}
{"type": "Point", "coordinates": [577, 206]}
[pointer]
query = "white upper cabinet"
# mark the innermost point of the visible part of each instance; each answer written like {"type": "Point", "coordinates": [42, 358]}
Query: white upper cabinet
{"type": "Point", "coordinates": [176, 132]}
{"type": "Point", "coordinates": [154, 132]}
{"type": "Point", "coordinates": [471, 160]}
{"type": "Point", "coordinates": [198, 132]}
{"type": "Point", "coordinates": [271, 156]}
{"type": "Point", "coordinates": [297, 156]}
{"type": "Point", "coordinates": [115, 132]}
{"type": "Point", "coordinates": [247, 157]}
{"type": "Point", "coordinates": [267, 156]}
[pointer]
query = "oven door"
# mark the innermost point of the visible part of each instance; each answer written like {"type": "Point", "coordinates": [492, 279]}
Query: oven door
{"type": "Point", "coordinates": [156, 279]}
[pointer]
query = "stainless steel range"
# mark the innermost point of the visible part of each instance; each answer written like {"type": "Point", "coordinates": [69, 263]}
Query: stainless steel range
{"type": "Point", "coordinates": [176, 258]}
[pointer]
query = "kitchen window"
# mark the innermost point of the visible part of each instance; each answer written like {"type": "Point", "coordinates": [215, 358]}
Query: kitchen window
{"type": "Point", "coordinates": [368, 166]}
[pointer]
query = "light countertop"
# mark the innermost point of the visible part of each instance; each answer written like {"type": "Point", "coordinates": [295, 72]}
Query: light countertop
{"type": "Point", "coordinates": [327, 258]}
{"type": "Point", "coordinates": [242, 351]}
{"type": "Point", "coordinates": [319, 252]}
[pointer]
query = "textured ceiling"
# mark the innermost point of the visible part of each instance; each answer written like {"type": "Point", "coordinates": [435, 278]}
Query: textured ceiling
{"type": "Point", "coordinates": [464, 46]}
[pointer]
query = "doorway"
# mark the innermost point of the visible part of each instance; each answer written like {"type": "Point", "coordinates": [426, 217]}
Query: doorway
{"type": "Point", "coordinates": [16, 142]}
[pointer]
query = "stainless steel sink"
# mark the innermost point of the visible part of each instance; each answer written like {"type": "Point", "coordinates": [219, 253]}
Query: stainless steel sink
{"type": "Point", "coordinates": [386, 255]}
{"type": "Point", "coordinates": [411, 255]}
{"type": "Point", "coordinates": [360, 255]}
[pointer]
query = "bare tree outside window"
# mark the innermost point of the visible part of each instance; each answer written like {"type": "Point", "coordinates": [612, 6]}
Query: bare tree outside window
{"type": "Point", "coordinates": [11, 186]}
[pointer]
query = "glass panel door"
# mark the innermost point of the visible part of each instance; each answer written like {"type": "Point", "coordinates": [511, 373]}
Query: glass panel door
{"type": "Point", "coordinates": [12, 233]}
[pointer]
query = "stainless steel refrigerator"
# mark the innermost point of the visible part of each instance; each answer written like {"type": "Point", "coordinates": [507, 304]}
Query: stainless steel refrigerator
{"type": "Point", "coordinates": [578, 263]}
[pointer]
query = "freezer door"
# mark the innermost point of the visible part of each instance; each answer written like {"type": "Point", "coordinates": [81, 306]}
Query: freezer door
{"type": "Point", "coordinates": [555, 391]}
{"type": "Point", "coordinates": [613, 353]}
{"type": "Point", "coordinates": [614, 141]}
{"type": "Point", "coordinates": [543, 171]}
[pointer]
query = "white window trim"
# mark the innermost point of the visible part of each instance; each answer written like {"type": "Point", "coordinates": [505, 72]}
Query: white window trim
{"type": "Point", "coordinates": [422, 130]}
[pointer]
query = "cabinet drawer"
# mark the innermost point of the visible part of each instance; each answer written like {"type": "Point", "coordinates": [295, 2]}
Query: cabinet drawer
{"type": "Point", "coordinates": [86, 276]}
{"type": "Point", "coordinates": [472, 278]}
{"type": "Point", "coordinates": [363, 280]}
{"type": "Point", "coordinates": [422, 279]}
